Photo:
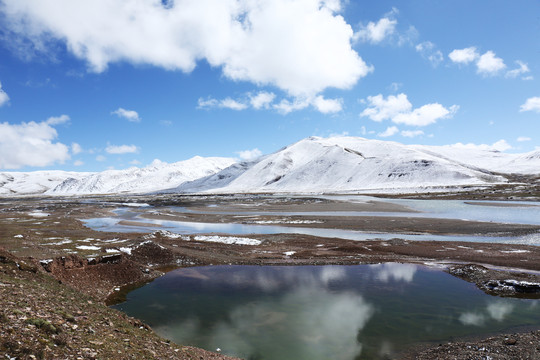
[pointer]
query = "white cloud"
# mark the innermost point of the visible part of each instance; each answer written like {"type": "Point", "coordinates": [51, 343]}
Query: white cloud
{"type": "Point", "coordinates": [399, 110]}
{"type": "Point", "coordinates": [429, 51]}
{"type": "Point", "coordinates": [532, 104]}
{"type": "Point", "coordinates": [265, 100]}
{"type": "Point", "coordinates": [327, 106]}
{"type": "Point", "coordinates": [381, 109]}
{"type": "Point", "coordinates": [30, 144]}
{"type": "Point", "coordinates": [488, 64]}
{"type": "Point", "coordinates": [412, 133]}
{"type": "Point", "coordinates": [523, 139]}
{"type": "Point", "coordinates": [121, 149]}
{"type": "Point", "coordinates": [130, 115]}
{"type": "Point", "coordinates": [522, 69]}
{"type": "Point", "coordinates": [425, 115]}
{"type": "Point", "coordinates": [78, 163]}
{"type": "Point", "coordinates": [57, 120]}
{"type": "Point", "coordinates": [285, 106]}
{"type": "Point", "coordinates": [135, 162]}
{"type": "Point", "coordinates": [226, 103]}
{"type": "Point", "coordinates": [76, 148]}
{"type": "Point", "coordinates": [395, 86]}
{"type": "Point", "coordinates": [464, 56]}
{"type": "Point", "coordinates": [262, 100]}
{"type": "Point", "coordinates": [300, 46]}
{"type": "Point", "coordinates": [376, 32]}
{"type": "Point", "coordinates": [100, 158]}
{"type": "Point", "coordinates": [4, 98]}
{"type": "Point", "coordinates": [232, 104]}
{"type": "Point", "coordinates": [390, 131]}
{"type": "Point", "coordinates": [249, 154]}
{"type": "Point", "coordinates": [501, 145]}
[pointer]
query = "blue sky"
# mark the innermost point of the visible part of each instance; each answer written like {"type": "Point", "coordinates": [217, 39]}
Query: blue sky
{"type": "Point", "coordinates": [115, 83]}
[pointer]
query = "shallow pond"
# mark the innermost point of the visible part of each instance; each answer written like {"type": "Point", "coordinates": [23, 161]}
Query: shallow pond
{"type": "Point", "coordinates": [183, 227]}
{"type": "Point", "coordinates": [320, 312]}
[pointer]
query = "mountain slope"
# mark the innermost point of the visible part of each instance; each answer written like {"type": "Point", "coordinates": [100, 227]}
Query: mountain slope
{"type": "Point", "coordinates": [156, 176]}
{"type": "Point", "coordinates": [36, 182]}
{"type": "Point", "coordinates": [345, 164]}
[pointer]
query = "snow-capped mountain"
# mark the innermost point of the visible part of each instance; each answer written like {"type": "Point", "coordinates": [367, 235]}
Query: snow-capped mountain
{"type": "Point", "coordinates": [36, 182]}
{"type": "Point", "coordinates": [336, 164]}
{"type": "Point", "coordinates": [341, 164]}
{"type": "Point", "coordinates": [154, 177]}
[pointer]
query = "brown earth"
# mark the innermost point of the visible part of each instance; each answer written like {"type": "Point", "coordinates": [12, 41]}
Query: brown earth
{"type": "Point", "coordinates": [52, 266]}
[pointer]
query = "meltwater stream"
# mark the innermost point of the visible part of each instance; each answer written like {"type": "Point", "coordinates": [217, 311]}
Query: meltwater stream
{"type": "Point", "coordinates": [321, 312]}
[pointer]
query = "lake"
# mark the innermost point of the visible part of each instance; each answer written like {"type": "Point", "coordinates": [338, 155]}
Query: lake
{"type": "Point", "coordinates": [321, 312]}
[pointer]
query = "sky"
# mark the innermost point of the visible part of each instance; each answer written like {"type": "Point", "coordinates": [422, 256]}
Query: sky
{"type": "Point", "coordinates": [91, 85]}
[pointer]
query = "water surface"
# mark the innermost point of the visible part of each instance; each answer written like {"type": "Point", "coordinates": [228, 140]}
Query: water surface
{"type": "Point", "coordinates": [320, 312]}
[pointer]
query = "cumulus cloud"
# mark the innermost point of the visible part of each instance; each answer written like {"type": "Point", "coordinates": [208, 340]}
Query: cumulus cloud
{"type": "Point", "coordinates": [300, 46]}
{"type": "Point", "coordinates": [382, 109]}
{"type": "Point", "coordinates": [265, 100]}
{"type": "Point", "coordinates": [390, 131]}
{"type": "Point", "coordinates": [429, 51]}
{"type": "Point", "coordinates": [327, 106]}
{"type": "Point", "coordinates": [121, 149]}
{"type": "Point", "coordinates": [130, 115]}
{"type": "Point", "coordinates": [501, 145]}
{"type": "Point", "coordinates": [522, 69]}
{"type": "Point", "coordinates": [425, 115]}
{"type": "Point", "coordinates": [57, 120]}
{"type": "Point", "coordinates": [399, 110]}
{"type": "Point", "coordinates": [376, 32]}
{"type": "Point", "coordinates": [523, 138]}
{"type": "Point", "coordinates": [532, 104]}
{"type": "Point", "coordinates": [262, 100]}
{"type": "Point", "coordinates": [464, 56]}
{"type": "Point", "coordinates": [76, 148]}
{"type": "Point", "coordinates": [249, 154]}
{"type": "Point", "coordinates": [489, 64]}
{"type": "Point", "coordinates": [412, 133]}
{"type": "Point", "coordinates": [30, 144]}
{"type": "Point", "coordinates": [4, 98]}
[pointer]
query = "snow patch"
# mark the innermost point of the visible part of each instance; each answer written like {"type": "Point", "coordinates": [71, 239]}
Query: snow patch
{"type": "Point", "coordinates": [88, 247]}
{"type": "Point", "coordinates": [38, 214]}
{"type": "Point", "coordinates": [232, 240]}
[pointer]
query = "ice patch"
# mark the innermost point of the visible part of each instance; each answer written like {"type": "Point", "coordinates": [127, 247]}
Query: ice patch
{"type": "Point", "coordinates": [18, 236]}
{"type": "Point", "coordinates": [289, 253]}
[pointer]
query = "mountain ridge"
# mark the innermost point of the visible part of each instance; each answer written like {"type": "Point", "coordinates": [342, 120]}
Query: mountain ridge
{"type": "Point", "coordinates": [314, 164]}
